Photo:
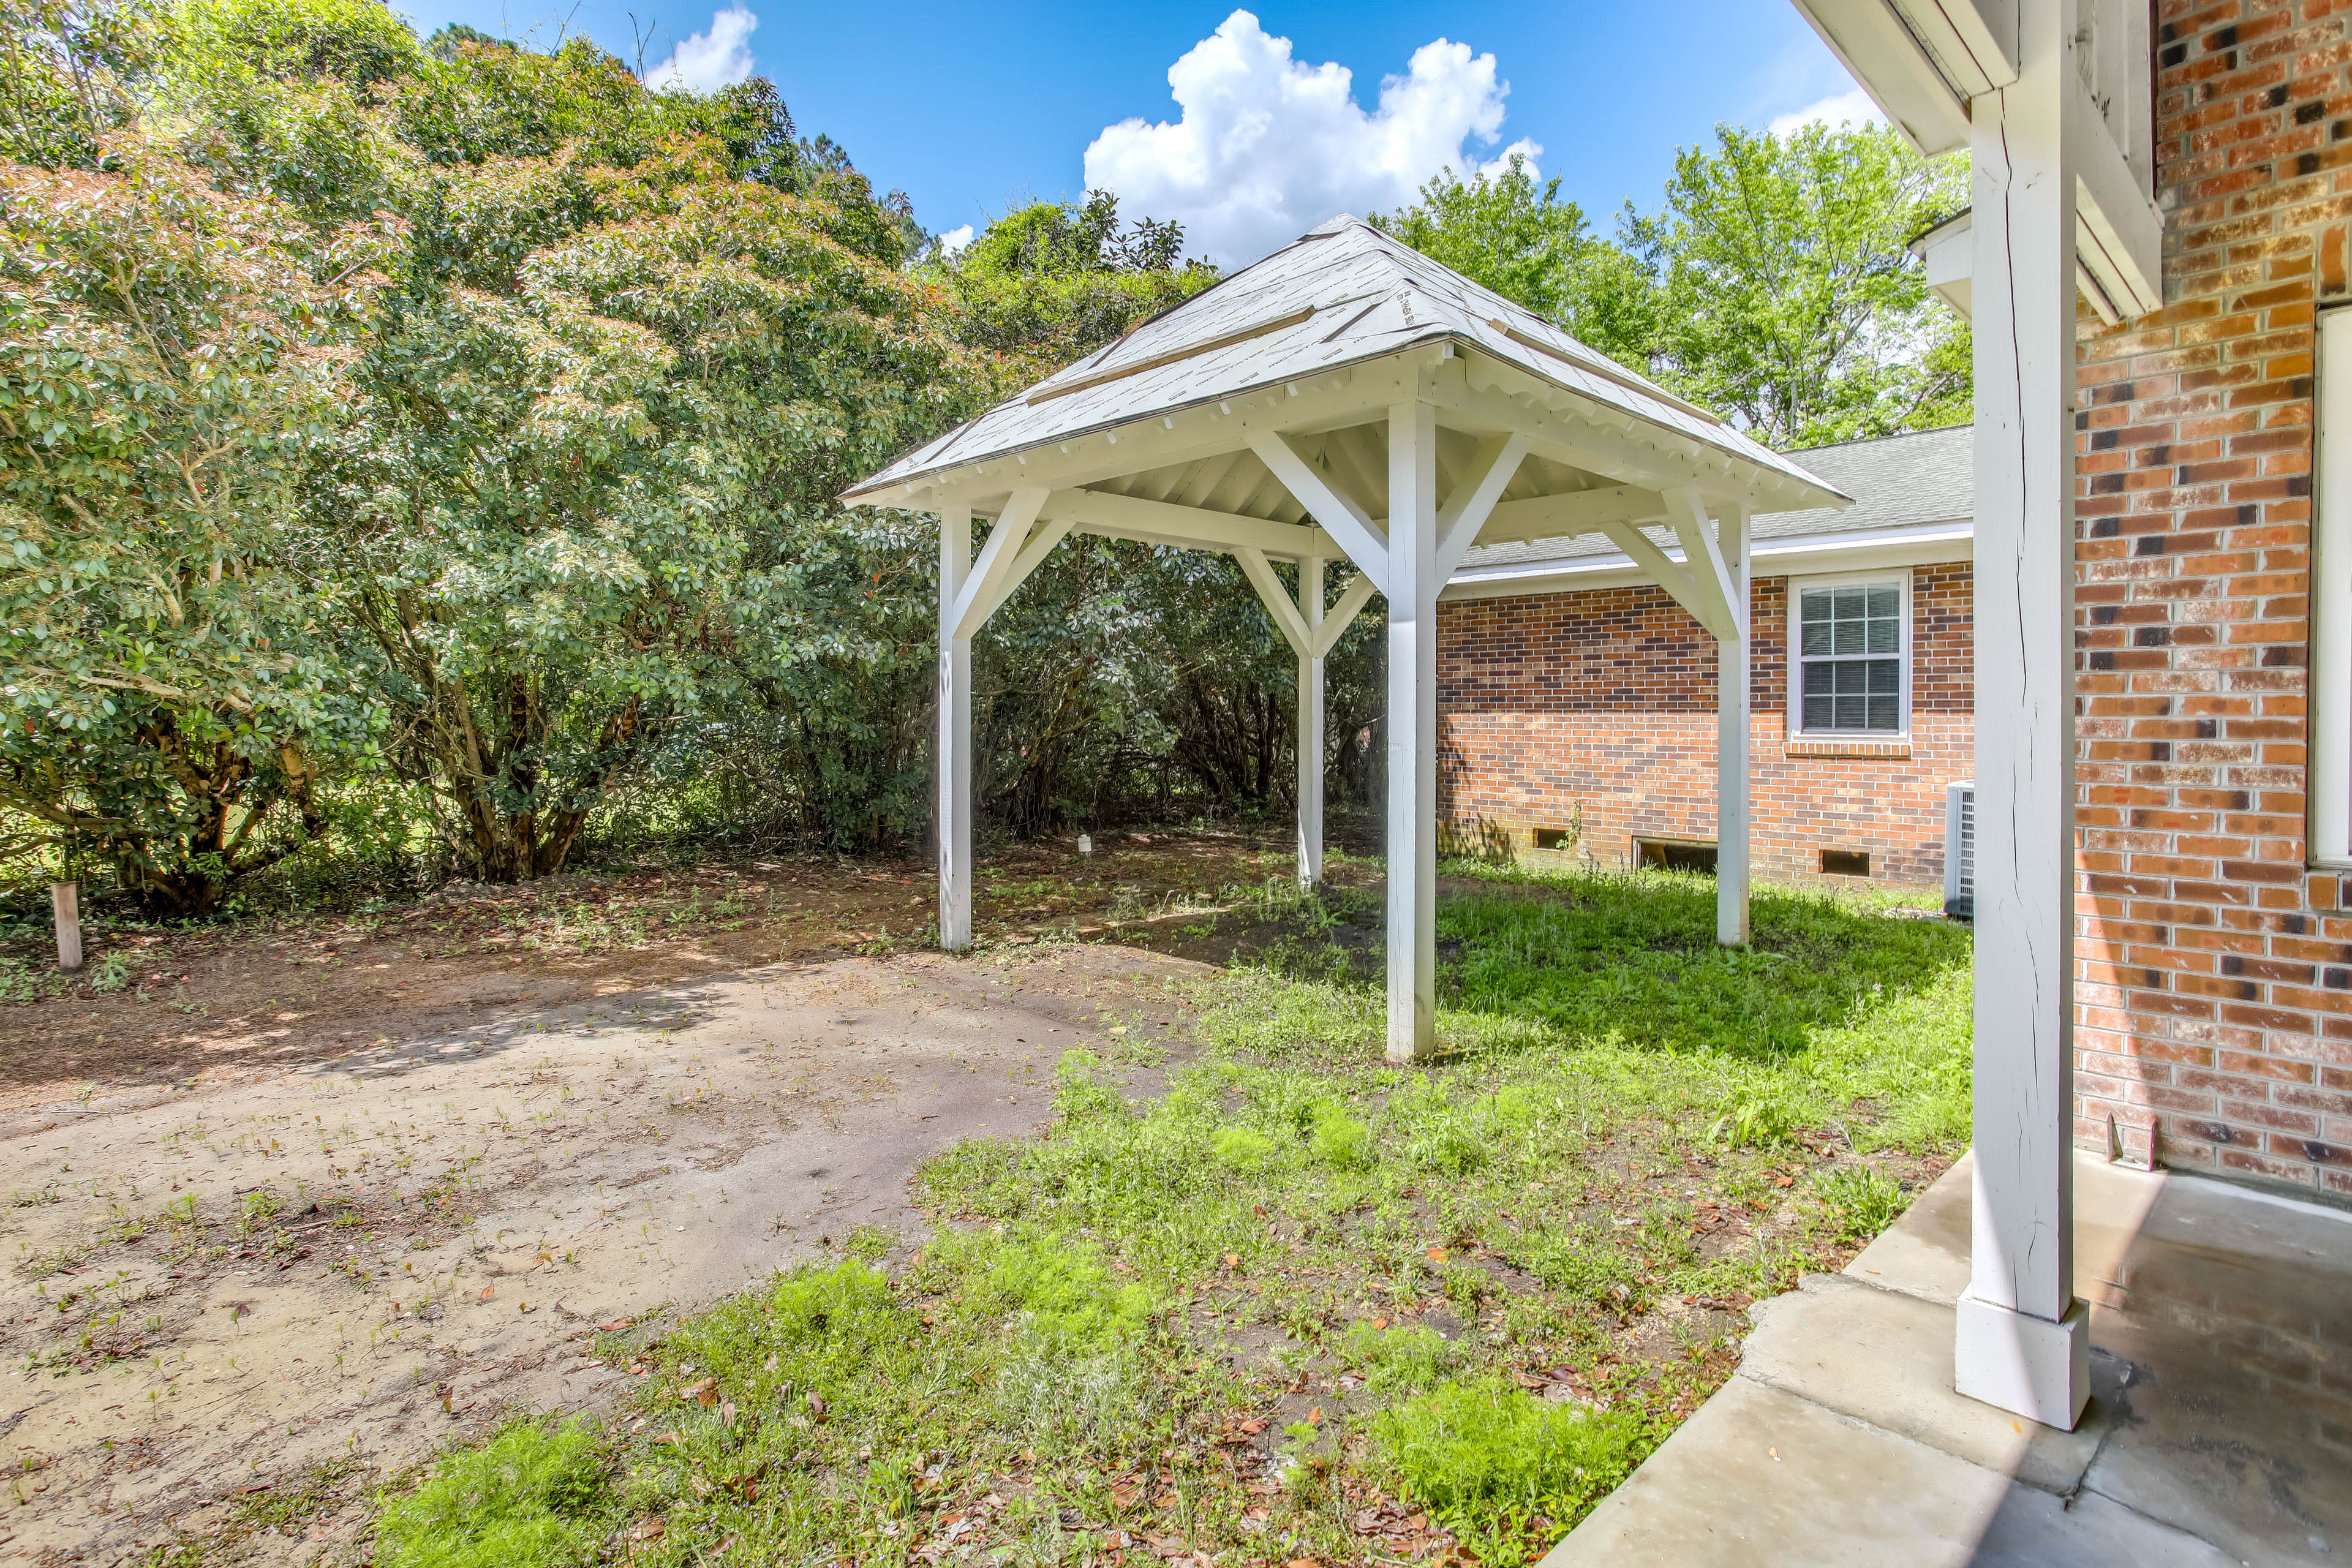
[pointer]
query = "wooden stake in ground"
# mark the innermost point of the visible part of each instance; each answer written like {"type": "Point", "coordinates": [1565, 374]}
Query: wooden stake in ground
{"type": "Point", "coordinates": [65, 904]}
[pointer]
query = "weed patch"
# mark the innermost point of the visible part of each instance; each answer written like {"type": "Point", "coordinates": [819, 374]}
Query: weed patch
{"type": "Point", "coordinates": [1299, 1304]}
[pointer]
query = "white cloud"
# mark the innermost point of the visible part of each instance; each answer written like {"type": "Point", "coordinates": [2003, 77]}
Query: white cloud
{"type": "Point", "coordinates": [708, 61]}
{"type": "Point", "coordinates": [1843, 108]}
{"type": "Point", "coordinates": [1268, 146]}
{"type": "Point", "coordinates": [955, 239]}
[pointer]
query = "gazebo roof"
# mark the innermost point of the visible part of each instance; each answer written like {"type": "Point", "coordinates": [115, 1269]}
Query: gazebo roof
{"type": "Point", "coordinates": [1339, 295]}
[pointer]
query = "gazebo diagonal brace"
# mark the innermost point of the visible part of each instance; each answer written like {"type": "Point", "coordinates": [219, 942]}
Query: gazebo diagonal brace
{"type": "Point", "coordinates": [1710, 575]}
{"type": "Point", "coordinates": [1341, 518]}
{"type": "Point", "coordinates": [1307, 641]}
{"type": "Point", "coordinates": [1465, 511]}
{"type": "Point", "coordinates": [983, 589]}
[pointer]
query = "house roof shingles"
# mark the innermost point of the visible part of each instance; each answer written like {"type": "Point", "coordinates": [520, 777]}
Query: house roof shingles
{"type": "Point", "coordinates": [1896, 481]}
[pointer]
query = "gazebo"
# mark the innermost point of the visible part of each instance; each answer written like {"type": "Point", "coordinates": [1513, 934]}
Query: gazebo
{"type": "Point", "coordinates": [1349, 400]}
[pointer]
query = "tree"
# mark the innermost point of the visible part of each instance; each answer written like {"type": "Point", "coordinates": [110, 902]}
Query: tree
{"type": "Point", "coordinates": [1774, 284]}
{"type": "Point", "coordinates": [166, 360]}
{"type": "Point", "coordinates": [1791, 302]}
{"type": "Point", "coordinates": [1522, 241]}
{"type": "Point", "coordinates": [1052, 282]}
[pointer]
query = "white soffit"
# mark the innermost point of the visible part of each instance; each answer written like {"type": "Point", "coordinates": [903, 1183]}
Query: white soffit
{"type": "Point", "coordinates": [1341, 295]}
{"type": "Point", "coordinates": [1923, 60]}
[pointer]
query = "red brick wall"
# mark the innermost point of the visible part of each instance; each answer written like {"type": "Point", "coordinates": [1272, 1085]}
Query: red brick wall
{"type": "Point", "coordinates": [1606, 700]}
{"type": "Point", "coordinates": [2215, 974]}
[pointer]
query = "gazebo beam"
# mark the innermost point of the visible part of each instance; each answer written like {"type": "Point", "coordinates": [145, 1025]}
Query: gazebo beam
{"type": "Point", "coordinates": [1567, 516]}
{"type": "Point", "coordinates": [1186, 527]}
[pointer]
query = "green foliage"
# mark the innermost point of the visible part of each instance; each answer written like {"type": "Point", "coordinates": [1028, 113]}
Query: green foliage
{"type": "Point", "coordinates": [69, 70]}
{"type": "Point", "coordinates": [166, 365]}
{"type": "Point", "coordinates": [1338, 1138]}
{"type": "Point", "coordinates": [1053, 280]}
{"type": "Point", "coordinates": [1487, 1459]}
{"type": "Point", "coordinates": [1504, 231]}
{"type": "Point", "coordinates": [1773, 284]}
{"type": "Point", "coordinates": [1243, 1147]}
{"type": "Point", "coordinates": [526, 1498]}
{"type": "Point", "coordinates": [1789, 300]}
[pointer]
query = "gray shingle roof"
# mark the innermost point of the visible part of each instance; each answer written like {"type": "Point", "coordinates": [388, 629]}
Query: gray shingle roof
{"type": "Point", "coordinates": [1338, 295]}
{"type": "Point", "coordinates": [1896, 481]}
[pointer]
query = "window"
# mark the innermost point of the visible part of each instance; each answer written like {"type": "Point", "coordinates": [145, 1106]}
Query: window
{"type": "Point", "coordinates": [1853, 645]}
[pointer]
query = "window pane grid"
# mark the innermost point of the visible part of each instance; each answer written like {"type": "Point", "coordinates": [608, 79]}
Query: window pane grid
{"type": "Point", "coordinates": [1850, 650]}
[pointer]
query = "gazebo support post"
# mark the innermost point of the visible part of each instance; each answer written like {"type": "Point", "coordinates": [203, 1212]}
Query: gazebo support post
{"type": "Point", "coordinates": [2021, 1338]}
{"type": "Point", "coordinates": [1413, 582]}
{"type": "Point", "coordinates": [955, 759]}
{"type": "Point", "coordinates": [1731, 740]}
{"type": "Point", "coordinates": [1310, 725]}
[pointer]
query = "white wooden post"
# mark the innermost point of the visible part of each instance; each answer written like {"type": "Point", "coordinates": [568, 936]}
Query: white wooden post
{"type": "Point", "coordinates": [955, 759]}
{"type": "Point", "coordinates": [1731, 768]}
{"type": "Point", "coordinates": [1310, 726]}
{"type": "Point", "coordinates": [1413, 588]}
{"type": "Point", "coordinates": [65, 911]}
{"type": "Point", "coordinates": [2021, 1341]}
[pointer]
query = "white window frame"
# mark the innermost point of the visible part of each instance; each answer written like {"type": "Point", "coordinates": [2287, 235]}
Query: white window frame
{"type": "Point", "coordinates": [2330, 673]}
{"type": "Point", "coordinates": [1793, 640]}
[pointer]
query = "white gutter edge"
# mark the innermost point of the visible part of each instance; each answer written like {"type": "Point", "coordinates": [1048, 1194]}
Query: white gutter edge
{"type": "Point", "coordinates": [1932, 544]}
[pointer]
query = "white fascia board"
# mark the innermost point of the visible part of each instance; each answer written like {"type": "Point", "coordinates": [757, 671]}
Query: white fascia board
{"type": "Point", "coordinates": [1876, 550]}
{"type": "Point", "coordinates": [1920, 60]}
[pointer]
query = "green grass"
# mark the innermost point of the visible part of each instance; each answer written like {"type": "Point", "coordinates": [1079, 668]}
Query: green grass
{"type": "Point", "coordinates": [1300, 1304]}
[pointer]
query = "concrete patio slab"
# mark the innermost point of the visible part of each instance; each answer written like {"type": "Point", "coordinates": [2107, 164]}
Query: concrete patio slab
{"type": "Point", "coordinates": [1852, 1349]}
{"type": "Point", "coordinates": [2219, 1429]}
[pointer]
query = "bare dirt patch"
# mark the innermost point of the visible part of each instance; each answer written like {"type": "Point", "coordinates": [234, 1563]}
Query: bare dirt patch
{"type": "Point", "coordinates": [304, 1202]}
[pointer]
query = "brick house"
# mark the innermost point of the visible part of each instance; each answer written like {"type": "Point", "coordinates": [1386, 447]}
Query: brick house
{"type": "Point", "coordinates": [2214, 970]}
{"type": "Point", "coordinates": [1577, 698]}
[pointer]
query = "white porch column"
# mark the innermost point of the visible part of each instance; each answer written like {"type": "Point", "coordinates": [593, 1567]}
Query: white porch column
{"type": "Point", "coordinates": [1310, 726]}
{"type": "Point", "coordinates": [2023, 1341]}
{"type": "Point", "coordinates": [955, 759]}
{"type": "Point", "coordinates": [1731, 765]}
{"type": "Point", "coordinates": [1413, 588]}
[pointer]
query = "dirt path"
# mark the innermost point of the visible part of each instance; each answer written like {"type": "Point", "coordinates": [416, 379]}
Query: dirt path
{"type": "Point", "coordinates": [323, 1259]}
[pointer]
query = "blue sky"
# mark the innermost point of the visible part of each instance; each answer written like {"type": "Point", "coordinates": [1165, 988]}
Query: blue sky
{"type": "Point", "coordinates": [971, 108]}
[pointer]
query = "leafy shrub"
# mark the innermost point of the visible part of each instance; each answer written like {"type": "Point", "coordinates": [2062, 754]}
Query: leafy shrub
{"type": "Point", "coordinates": [1860, 1200]}
{"type": "Point", "coordinates": [527, 1497]}
{"type": "Point", "coordinates": [1489, 1461]}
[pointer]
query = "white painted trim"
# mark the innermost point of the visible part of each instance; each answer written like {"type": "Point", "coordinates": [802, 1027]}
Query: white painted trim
{"type": "Point", "coordinates": [1928, 544]}
{"type": "Point", "coordinates": [1795, 661]}
{"type": "Point", "coordinates": [1341, 518]}
{"type": "Point", "coordinates": [2331, 602]}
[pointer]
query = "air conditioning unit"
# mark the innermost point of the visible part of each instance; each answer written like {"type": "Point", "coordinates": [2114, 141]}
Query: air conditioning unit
{"type": "Point", "coordinates": [1961, 850]}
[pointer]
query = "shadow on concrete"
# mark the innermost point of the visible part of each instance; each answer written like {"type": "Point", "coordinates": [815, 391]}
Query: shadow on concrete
{"type": "Point", "coordinates": [2219, 1429]}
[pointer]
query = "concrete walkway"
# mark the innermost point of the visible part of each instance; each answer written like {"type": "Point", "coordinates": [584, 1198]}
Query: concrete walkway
{"type": "Point", "coordinates": [2220, 1430]}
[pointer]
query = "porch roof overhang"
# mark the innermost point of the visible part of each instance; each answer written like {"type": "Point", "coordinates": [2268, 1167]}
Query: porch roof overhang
{"type": "Point", "coordinates": [1925, 62]}
{"type": "Point", "coordinates": [1253, 420]}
